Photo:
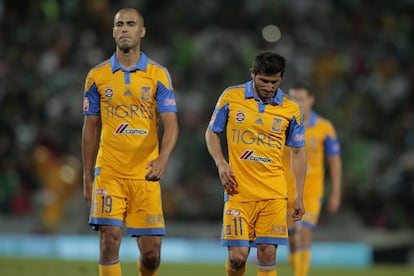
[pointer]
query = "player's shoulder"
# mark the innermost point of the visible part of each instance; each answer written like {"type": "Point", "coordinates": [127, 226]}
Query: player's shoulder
{"type": "Point", "coordinates": [322, 121]}
{"type": "Point", "coordinates": [102, 65]}
{"type": "Point", "coordinates": [155, 66]}
{"type": "Point", "coordinates": [233, 89]}
{"type": "Point", "coordinates": [289, 101]}
{"type": "Point", "coordinates": [233, 92]}
{"type": "Point", "coordinates": [100, 68]}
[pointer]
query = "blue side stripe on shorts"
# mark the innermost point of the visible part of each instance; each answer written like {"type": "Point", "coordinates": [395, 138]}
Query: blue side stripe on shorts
{"type": "Point", "coordinates": [97, 171]}
{"type": "Point", "coordinates": [235, 243]}
{"type": "Point", "coordinates": [146, 231]}
{"type": "Point", "coordinates": [268, 240]}
{"type": "Point", "coordinates": [105, 221]}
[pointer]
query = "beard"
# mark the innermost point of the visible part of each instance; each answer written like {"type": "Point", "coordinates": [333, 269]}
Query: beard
{"type": "Point", "coordinates": [124, 47]}
{"type": "Point", "coordinates": [263, 95]}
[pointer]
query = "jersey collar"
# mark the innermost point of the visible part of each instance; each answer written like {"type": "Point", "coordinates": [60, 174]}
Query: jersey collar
{"type": "Point", "coordinates": [249, 93]}
{"type": "Point", "coordinates": [312, 119]}
{"type": "Point", "coordinates": [141, 64]}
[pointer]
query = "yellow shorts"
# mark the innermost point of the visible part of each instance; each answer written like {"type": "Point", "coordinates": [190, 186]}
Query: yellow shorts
{"type": "Point", "coordinates": [310, 218]}
{"type": "Point", "coordinates": [246, 224]}
{"type": "Point", "coordinates": [137, 203]}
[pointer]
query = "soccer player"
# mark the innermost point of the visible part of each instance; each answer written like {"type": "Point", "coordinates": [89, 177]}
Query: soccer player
{"type": "Point", "coordinates": [321, 141]}
{"type": "Point", "coordinates": [259, 120]}
{"type": "Point", "coordinates": [124, 99]}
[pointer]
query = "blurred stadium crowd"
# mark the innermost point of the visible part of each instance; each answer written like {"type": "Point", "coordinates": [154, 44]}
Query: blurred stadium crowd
{"type": "Point", "coordinates": [358, 55]}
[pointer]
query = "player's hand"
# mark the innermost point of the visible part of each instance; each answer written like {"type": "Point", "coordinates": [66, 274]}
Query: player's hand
{"type": "Point", "coordinates": [333, 203]}
{"type": "Point", "coordinates": [157, 169]}
{"type": "Point", "coordinates": [227, 178]}
{"type": "Point", "coordinates": [87, 190]}
{"type": "Point", "coordinates": [298, 209]}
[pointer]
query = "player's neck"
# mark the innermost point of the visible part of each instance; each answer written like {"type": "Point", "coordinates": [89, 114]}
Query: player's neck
{"type": "Point", "coordinates": [306, 117]}
{"type": "Point", "coordinates": [128, 59]}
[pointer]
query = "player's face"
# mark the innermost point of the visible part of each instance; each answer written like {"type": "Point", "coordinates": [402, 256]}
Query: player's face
{"type": "Point", "coordinates": [304, 99]}
{"type": "Point", "coordinates": [128, 30]}
{"type": "Point", "coordinates": [266, 85]}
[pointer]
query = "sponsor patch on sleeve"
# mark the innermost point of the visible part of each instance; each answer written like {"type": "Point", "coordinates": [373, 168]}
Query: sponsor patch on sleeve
{"type": "Point", "coordinates": [85, 104]}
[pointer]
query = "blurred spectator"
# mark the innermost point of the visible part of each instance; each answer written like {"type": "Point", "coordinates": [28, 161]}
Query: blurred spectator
{"type": "Point", "coordinates": [59, 174]}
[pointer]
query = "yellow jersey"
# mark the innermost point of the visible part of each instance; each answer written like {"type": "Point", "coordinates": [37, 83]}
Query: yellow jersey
{"type": "Point", "coordinates": [256, 134]}
{"type": "Point", "coordinates": [129, 103]}
{"type": "Point", "coordinates": [321, 141]}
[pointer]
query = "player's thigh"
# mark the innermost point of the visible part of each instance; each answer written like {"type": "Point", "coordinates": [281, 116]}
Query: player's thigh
{"type": "Point", "coordinates": [271, 225]}
{"type": "Point", "coordinates": [145, 214]}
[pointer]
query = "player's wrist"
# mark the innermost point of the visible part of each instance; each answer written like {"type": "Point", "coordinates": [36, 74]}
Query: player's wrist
{"type": "Point", "coordinates": [299, 196]}
{"type": "Point", "coordinates": [220, 163]}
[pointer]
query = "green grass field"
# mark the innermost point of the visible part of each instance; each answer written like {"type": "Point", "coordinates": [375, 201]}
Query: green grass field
{"type": "Point", "coordinates": [49, 267]}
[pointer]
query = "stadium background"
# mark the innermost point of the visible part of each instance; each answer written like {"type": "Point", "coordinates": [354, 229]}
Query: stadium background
{"type": "Point", "coordinates": [357, 54]}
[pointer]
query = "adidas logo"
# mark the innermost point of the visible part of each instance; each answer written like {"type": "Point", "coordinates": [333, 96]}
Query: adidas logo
{"type": "Point", "coordinates": [259, 121]}
{"type": "Point", "coordinates": [127, 93]}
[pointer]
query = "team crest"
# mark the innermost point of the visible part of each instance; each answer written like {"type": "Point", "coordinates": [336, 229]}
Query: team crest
{"type": "Point", "coordinates": [109, 93]}
{"type": "Point", "coordinates": [277, 124]}
{"type": "Point", "coordinates": [145, 93]}
{"type": "Point", "coordinates": [240, 117]}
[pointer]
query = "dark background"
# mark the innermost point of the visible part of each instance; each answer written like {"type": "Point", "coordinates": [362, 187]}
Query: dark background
{"type": "Point", "coordinates": [358, 55]}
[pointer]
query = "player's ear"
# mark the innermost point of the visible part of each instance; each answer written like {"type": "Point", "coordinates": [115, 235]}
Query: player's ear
{"type": "Point", "coordinates": [143, 32]}
{"type": "Point", "coordinates": [312, 99]}
{"type": "Point", "coordinates": [113, 32]}
{"type": "Point", "coordinates": [252, 73]}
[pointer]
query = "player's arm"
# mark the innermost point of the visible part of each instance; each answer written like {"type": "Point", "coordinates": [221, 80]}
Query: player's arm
{"type": "Point", "coordinates": [168, 142]}
{"type": "Point", "coordinates": [333, 154]}
{"type": "Point", "coordinates": [90, 134]}
{"type": "Point", "coordinates": [296, 140]}
{"type": "Point", "coordinates": [335, 169]}
{"type": "Point", "coordinates": [298, 157]}
{"type": "Point", "coordinates": [167, 110]}
{"type": "Point", "coordinates": [226, 174]}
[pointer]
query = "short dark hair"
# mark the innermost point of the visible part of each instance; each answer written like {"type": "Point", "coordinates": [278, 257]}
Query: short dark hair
{"type": "Point", "coordinates": [268, 62]}
{"type": "Point", "coordinates": [140, 16]}
{"type": "Point", "coordinates": [303, 85]}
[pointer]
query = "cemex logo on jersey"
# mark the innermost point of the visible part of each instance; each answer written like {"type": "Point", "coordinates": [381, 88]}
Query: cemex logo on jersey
{"type": "Point", "coordinates": [248, 155]}
{"type": "Point", "coordinates": [123, 129]}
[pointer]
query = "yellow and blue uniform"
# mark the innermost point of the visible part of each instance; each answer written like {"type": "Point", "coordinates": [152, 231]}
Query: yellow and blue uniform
{"type": "Point", "coordinates": [128, 102]}
{"type": "Point", "coordinates": [321, 141]}
{"type": "Point", "coordinates": [257, 133]}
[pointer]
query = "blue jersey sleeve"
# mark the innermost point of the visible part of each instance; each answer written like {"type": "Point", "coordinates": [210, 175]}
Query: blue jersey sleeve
{"type": "Point", "coordinates": [219, 119]}
{"type": "Point", "coordinates": [296, 134]}
{"type": "Point", "coordinates": [332, 147]}
{"type": "Point", "coordinates": [91, 101]}
{"type": "Point", "coordinates": [165, 99]}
